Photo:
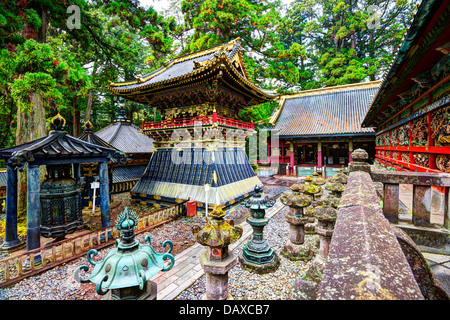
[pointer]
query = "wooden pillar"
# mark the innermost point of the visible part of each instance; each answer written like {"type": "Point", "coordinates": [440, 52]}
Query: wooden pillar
{"type": "Point", "coordinates": [350, 150]}
{"type": "Point", "coordinates": [319, 154]}
{"type": "Point", "coordinates": [431, 156]}
{"type": "Point", "coordinates": [11, 239]}
{"type": "Point", "coordinates": [447, 208]}
{"type": "Point", "coordinates": [291, 154]}
{"type": "Point", "coordinates": [104, 194]}
{"type": "Point", "coordinates": [33, 208]}
{"type": "Point", "coordinates": [76, 172]}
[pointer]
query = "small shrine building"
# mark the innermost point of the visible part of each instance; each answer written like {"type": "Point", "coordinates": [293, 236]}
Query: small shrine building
{"type": "Point", "coordinates": [318, 129]}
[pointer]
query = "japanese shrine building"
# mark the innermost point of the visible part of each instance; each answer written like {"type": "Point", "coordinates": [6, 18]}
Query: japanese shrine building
{"type": "Point", "coordinates": [320, 128]}
{"type": "Point", "coordinates": [411, 111]}
{"type": "Point", "coordinates": [199, 140]}
{"type": "Point", "coordinates": [123, 135]}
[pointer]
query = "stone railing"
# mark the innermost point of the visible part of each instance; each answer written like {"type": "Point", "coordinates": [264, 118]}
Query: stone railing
{"type": "Point", "coordinates": [365, 260]}
{"type": "Point", "coordinates": [368, 257]}
{"type": "Point", "coordinates": [421, 205]}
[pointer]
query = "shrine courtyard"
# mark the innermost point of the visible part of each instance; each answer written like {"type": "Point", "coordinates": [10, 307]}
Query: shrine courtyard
{"type": "Point", "coordinates": [348, 199]}
{"type": "Point", "coordinates": [186, 281]}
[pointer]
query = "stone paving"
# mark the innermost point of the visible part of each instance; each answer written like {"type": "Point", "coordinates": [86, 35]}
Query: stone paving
{"type": "Point", "coordinates": [187, 268]}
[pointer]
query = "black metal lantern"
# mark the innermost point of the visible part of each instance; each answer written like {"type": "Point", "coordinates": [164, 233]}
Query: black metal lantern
{"type": "Point", "coordinates": [257, 255]}
{"type": "Point", "coordinates": [60, 197]}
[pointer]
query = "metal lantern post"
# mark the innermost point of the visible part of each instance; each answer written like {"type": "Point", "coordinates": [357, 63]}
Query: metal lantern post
{"type": "Point", "coordinates": [258, 256]}
{"type": "Point", "coordinates": [53, 206]}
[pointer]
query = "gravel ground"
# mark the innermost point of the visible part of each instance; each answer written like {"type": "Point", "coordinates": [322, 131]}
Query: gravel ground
{"type": "Point", "coordinates": [245, 285]}
{"type": "Point", "coordinates": [59, 283]}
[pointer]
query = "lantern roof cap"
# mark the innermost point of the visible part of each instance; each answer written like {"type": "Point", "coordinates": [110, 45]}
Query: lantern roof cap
{"type": "Point", "coordinates": [257, 201]}
{"type": "Point", "coordinates": [131, 263]}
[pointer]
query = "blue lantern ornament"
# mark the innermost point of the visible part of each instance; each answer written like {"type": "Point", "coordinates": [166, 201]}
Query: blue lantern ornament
{"type": "Point", "coordinates": [125, 271]}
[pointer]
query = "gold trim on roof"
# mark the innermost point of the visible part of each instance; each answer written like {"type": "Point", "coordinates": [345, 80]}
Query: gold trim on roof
{"type": "Point", "coordinates": [277, 113]}
{"type": "Point", "coordinates": [204, 52]}
{"type": "Point", "coordinates": [220, 58]}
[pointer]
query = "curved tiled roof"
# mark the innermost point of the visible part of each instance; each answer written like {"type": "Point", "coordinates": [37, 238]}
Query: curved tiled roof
{"type": "Point", "coordinates": [328, 111]}
{"type": "Point", "coordinates": [58, 145]}
{"type": "Point", "coordinates": [194, 67]}
{"type": "Point", "coordinates": [89, 136]}
{"type": "Point", "coordinates": [125, 136]}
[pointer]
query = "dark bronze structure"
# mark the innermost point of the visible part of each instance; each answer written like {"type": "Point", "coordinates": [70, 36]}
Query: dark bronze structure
{"type": "Point", "coordinates": [58, 212]}
{"type": "Point", "coordinates": [257, 255]}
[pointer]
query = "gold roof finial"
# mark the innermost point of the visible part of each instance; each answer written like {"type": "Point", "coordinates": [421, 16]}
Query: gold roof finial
{"type": "Point", "coordinates": [58, 122]}
{"type": "Point", "coordinates": [88, 125]}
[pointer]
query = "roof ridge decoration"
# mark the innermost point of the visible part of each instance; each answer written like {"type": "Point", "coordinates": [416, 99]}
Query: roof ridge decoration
{"type": "Point", "coordinates": [341, 88]}
{"type": "Point", "coordinates": [88, 135]}
{"type": "Point", "coordinates": [223, 58]}
{"type": "Point", "coordinates": [58, 144]}
{"type": "Point", "coordinates": [189, 56]}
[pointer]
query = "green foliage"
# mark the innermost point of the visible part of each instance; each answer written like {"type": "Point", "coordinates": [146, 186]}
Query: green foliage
{"type": "Point", "coordinates": [316, 43]}
{"type": "Point", "coordinates": [256, 23]}
{"type": "Point", "coordinates": [344, 44]}
{"type": "Point", "coordinates": [40, 55]}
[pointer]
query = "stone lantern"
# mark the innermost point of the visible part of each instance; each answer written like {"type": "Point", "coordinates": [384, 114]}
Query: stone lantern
{"type": "Point", "coordinates": [125, 271]}
{"type": "Point", "coordinates": [336, 189]}
{"type": "Point", "coordinates": [258, 256]}
{"type": "Point", "coordinates": [295, 248]}
{"type": "Point", "coordinates": [326, 216]}
{"type": "Point", "coordinates": [340, 177]}
{"type": "Point", "coordinates": [217, 235]}
{"type": "Point", "coordinates": [313, 190]}
{"type": "Point", "coordinates": [308, 180]}
{"type": "Point", "coordinates": [318, 181]}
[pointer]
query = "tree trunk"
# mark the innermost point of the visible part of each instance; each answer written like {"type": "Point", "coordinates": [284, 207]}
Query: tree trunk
{"type": "Point", "coordinates": [88, 108]}
{"type": "Point", "coordinates": [75, 118]}
{"type": "Point", "coordinates": [30, 126]}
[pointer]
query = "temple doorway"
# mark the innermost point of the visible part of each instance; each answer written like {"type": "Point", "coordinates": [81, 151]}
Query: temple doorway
{"type": "Point", "coordinates": [307, 154]}
{"type": "Point", "coordinates": [335, 154]}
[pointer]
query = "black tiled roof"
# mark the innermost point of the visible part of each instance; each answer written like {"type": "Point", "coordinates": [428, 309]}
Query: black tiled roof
{"type": "Point", "coordinates": [2, 177]}
{"type": "Point", "coordinates": [125, 173]}
{"type": "Point", "coordinates": [125, 136]}
{"type": "Point", "coordinates": [57, 145]}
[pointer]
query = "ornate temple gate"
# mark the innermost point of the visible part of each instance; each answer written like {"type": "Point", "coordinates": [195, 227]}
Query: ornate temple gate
{"type": "Point", "coordinates": [411, 111]}
{"type": "Point", "coordinates": [319, 129]}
